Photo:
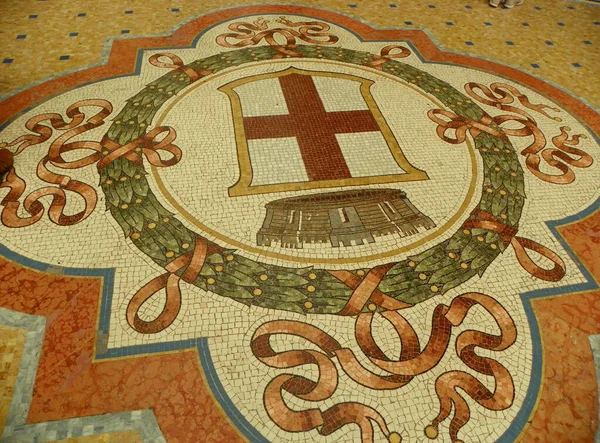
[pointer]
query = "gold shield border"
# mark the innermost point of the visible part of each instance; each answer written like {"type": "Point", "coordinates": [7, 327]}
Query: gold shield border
{"type": "Point", "coordinates": [244, 187]}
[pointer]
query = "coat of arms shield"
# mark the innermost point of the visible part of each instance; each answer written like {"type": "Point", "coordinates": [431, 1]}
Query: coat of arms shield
{"type": "Point", "coordinates": [324, 129]}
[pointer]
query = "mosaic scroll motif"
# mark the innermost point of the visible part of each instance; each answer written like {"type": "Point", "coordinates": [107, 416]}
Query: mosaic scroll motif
{"type": "Point", "coordinates": [33, 207]}
{"type": "Point", "coordinates": [413, 361]}
{"type": "Point", "coordinates": [561, 158]}
{"type": "Point", "coordinates": [103, 154]}
{"type": "Point", "coordinates": [250, 34]}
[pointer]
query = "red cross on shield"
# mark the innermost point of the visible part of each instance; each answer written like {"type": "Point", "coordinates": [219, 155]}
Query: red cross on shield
{"type": "Point", "coordinates": [298, 129]}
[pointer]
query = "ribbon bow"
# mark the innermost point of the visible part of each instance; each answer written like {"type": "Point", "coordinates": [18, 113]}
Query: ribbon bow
{"type": "Point", "coordinates": [385, 56]}
{"type": "Point", "coordinates": [192, 262]}
{"type": "Point", "coordinates": [177, 64]}
{"type": "Point", "coordinates": [485, 220]}
{"type": "Point", "coordinates": [147, 145]}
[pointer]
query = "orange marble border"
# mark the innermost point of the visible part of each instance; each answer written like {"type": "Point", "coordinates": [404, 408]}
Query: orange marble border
{"type": "Point", "coordinates": [71, 383]}
{"type": "Point", "coordinates": [567, 407]}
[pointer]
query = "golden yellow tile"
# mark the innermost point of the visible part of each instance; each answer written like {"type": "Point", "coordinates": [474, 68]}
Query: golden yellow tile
{"type": "Point", "coordinates": [114, 437]}
{"type": "Point", "coordinates": [12, 342]}
{"type": "Point", "coordinates": [37, 56]}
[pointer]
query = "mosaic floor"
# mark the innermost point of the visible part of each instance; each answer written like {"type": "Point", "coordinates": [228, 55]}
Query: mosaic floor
{"type": "Point", "coordinates": [367, 222]}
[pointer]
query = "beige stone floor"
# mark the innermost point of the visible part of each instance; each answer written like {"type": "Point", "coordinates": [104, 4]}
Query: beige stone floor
{"type": "Point", "coordinates": [562, 37]}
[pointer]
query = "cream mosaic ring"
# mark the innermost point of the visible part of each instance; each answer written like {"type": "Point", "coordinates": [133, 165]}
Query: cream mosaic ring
{"type": "Point", "coordinates": [155, 231]}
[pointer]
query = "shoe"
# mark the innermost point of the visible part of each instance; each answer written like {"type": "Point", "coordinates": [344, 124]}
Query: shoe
{"type": "Point", "coordinates": [6, 161]}
{"type": "Point", "coordinates": [495, 3]}
{"type": "Point", "coordinates": [508, 4]}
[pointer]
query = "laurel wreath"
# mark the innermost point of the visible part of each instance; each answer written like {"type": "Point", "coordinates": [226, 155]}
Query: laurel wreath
{"type": "Point", "coordinates": [157, 232]}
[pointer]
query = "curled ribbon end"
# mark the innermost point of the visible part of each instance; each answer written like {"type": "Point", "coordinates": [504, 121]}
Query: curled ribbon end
{"type": "Point", "coordinates": [170, 283]}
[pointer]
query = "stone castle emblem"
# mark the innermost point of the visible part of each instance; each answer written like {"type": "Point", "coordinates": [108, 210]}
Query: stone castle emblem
{"type": "Point", "coordinates": [347, 218]}
{"type": "Point", "coordinates": [320, 140]}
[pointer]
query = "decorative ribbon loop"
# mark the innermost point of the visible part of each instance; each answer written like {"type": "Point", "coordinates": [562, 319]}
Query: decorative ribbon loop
{"type": "Point", "coordinates": [484, 220]}
{"type": "Point", "coordinates": [385, 56]}
{"type": "Point", "coordinates": [365, 291]}
{"type": "Point", "coordinates": [169, 282]}
{"type": "Point", "coordinates": [156, 140]}
{"type": "Point", "coordinates": [310, 32]}
{"type": "Point", "coordinates": [284, 50]}
{"type": "Point", "coordinates": [149, 145]}
{"type": "Point", "coordinates": [558, 158]}
{"type": "Point", "coordinates": [192, 262]}
{"type": "Point", "coordinates": [519, 244]}
{"type": "Point", "coordinates": [57, 122]}
{"type": "Point", "coordinates": [411, 363]}
{"type": "Point", "coordinates": [450, 398]}
{"type": "Point", "coordinates": [500, 95]}
{"type": "Point", "coordinates": [177, 64]}
{"type": "Point", "coordinates": [32, 204]}
{"type": "Point", "coordinates": [301, 421]}
{"type": "Point", "coordinates": [244, 32]}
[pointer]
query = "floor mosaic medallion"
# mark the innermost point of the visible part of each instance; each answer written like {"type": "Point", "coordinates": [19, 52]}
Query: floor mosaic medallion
{"type": "Point", "coordinates": [301, 227]}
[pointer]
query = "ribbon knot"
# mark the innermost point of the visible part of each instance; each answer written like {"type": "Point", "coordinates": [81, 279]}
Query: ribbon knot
{"type": "Point", "coordinates": [461, 125]}
{"type": "Point", "coordinates": [365, 291]}
{"type": "Point", "coordinates": [385, 56]}
{"type": "Point", "coordinates": [177, 64]}
{"type": "Point", "coordinates": [148, 144]}
{"type": "Point", "coordinates": [485, 220]}
{"type": "Point", "coordinates": [288, 50]}
{"type": "Point", "coordinates": [192, 262]}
